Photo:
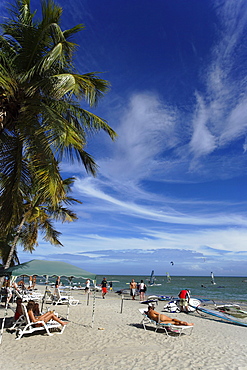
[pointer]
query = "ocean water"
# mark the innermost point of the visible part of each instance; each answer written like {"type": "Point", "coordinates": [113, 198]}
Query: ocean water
{"type": "Point", "coordinates": [225, 289]}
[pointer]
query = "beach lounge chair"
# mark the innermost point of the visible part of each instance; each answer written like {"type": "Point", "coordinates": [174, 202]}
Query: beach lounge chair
{"type": "Point", "coordinates": [178, 329]}
{"type": "Point", "coordinates": [31, 327]}
{"type": "Point", "coordinates": [146, 320]}
{"type": "Point", "coordinates": [60, 298]}
{"type": "Point", "coordinates": [168, 328]}
{"type": "Point", "coordinates": [17, 324]}
{"type": "Point", "coordinates": [48, 297]}
{"type": "Point", "coordinates": [35, 296]}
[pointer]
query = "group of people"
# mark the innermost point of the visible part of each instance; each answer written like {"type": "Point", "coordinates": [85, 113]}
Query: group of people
{"type": "Point", "coordinates": [104, 284]}
{"type": "Point", "coordinates": [34, 314]}
{"type": "Point", "coordinates": [141, 287]}
{"type": "Point", "coordinates": [20, 285]}
{"type": "Point", "coordinates": [135, 287]}
{"type": "Point", "coordinates": [9, 287]}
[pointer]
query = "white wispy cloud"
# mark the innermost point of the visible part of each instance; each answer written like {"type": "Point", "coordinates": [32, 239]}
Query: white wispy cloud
{"type": "Point", "coordinates": [221, 109]}
{"type": "Point", "coordinates": [203, 141]}
{"type": "Point", "coordinates": [145, 122]}
{"type": "Point", "coordinates": [224, 250]}
{"type": "Point", "coordinates": [89, 188]}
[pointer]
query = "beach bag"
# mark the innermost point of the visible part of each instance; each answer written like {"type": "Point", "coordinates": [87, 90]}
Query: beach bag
{"type": "Point", "coordinates": [145, 288]}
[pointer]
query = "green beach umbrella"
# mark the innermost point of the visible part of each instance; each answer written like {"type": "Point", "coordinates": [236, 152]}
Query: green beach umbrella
{"type": "Point", "coordinates": [50, 268]}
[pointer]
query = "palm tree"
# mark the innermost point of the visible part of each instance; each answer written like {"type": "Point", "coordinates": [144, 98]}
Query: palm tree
{"type": "Point", "coordinates": [41, 119]}
{"type": "Point", "coordinates": [37, 216]}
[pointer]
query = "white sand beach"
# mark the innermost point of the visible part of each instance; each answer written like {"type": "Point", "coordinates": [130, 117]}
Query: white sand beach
{"type": "Point", "coordinates": [118, 341]}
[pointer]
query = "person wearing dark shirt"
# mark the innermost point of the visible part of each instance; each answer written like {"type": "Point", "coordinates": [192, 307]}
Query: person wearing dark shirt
{"type": "Point", "coordinates": [104, 287]}
{"type": "Point", "coordinates": [57, 283]}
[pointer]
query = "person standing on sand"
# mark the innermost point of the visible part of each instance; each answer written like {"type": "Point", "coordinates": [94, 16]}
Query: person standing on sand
{"type": "Point", "coordinates": [104, 287]}
{"type": "Point", "coordinates": [133, 289]}
{"type": "Point", "coordinates": [57, 283]}
{"type": "Point", "coordinates": [87, 288]}
{"type": "Point", "coordinates": [34, 280]}
{"type": "Point", "coordinates": [142, 290]}
{"type": "Point", "coordinates": [184, 296]}
{"type": "Point", "coordinates": [30, 283]}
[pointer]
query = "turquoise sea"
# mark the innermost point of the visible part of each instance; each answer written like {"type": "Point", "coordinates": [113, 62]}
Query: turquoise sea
{"type": "Point", "coordinates": [226, 288]}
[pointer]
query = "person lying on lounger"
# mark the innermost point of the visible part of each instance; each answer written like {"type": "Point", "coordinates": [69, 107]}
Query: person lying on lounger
{"type": "Point", "coordinates": [45, 317]}
{"type": "Point", "coordinates": [18, 311]}
{"type": "Point", "coordinates": [163, 319]}
{"type": "Point", "coordinates": [36, 310]}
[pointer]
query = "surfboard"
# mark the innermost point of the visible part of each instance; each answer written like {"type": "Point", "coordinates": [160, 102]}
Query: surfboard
{"type": "Point", "coordinates": [233, 310]}
{"type": "Point", "coordinates": [175, 303]}
{"type": "Point", "coordinates": [149, 301]}
{"type": "Point", "coordinates": [160, 297]}
{"type": "Point", "coordinates": [220, 315]}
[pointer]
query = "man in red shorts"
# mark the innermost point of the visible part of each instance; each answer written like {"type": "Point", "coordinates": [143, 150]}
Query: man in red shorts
{"type": "Point", "coordinates": [104, 287]}
{"type": "Point", "coordinates": [184, 296]}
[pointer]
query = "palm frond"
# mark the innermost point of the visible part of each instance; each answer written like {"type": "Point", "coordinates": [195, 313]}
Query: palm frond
{"type": "Point", "coordinates": [70, 32]}
{"type": "Point", "coordinates": [15, 180]}
{"type": "Point", "coordinates": [50, 234]}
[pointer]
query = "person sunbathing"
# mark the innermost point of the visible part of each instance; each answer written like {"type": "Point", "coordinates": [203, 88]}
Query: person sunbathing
{"type": "Point", "coordinates": [163, 319]}
{"type": "Point", "coordinates": [18, 311]}
{"type": "Point", "coordinates": [36, 310]}
{"type": "Point", "coordinates": [45, 317]}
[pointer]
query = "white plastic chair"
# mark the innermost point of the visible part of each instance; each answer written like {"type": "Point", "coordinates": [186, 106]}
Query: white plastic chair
{"type": "Point", "coordinates": [32, 327]}
{"type": "Point", "coordinates": [35, 296]}
{"type": "Point", "coordinates": [168, 328]}
{"type": "Point", "coordinates": [59, 298]}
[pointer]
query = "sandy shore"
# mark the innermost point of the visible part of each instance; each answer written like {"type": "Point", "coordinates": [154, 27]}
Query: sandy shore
{"type": "Point", "coordinates": [118, 341]}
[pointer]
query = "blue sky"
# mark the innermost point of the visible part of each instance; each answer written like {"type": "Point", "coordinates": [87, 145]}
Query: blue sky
{"type": "Point", "coordinates": [172, 187]}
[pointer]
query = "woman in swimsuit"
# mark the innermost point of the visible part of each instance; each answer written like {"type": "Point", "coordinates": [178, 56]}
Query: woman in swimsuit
{"type": "Point", "coordinates": [45, 317]}
{"type": "Point", "coordinates": [160, 318]}
{"type": "Point", "coordinates": [18, 311]}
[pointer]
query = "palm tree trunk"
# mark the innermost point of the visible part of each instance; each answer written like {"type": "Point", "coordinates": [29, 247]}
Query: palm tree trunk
{"type": "Point", "coordinates": [16, 258]}
{"type": "Point", "coordinates": [12, 249]}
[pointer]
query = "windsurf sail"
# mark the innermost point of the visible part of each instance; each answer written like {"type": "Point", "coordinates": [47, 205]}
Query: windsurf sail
{"type": "Point", "coordinates": [212, 279]}
{"type": "Point", "coordinates": [152, 278]}
{"type": "Point", "coordinates": [221, 315]}
{"type": "Point", "coordinates": [233, 310]}
{"type": "Point", "coordinates": [168, 277]}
